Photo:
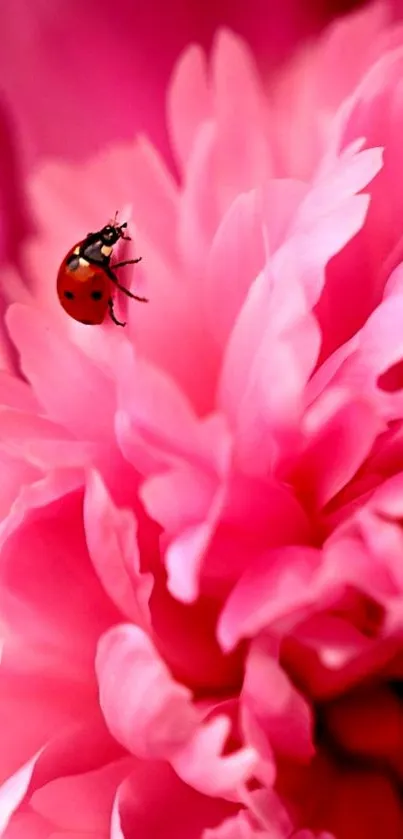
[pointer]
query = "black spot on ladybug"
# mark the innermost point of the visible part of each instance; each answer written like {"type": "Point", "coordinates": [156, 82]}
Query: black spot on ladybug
{"type": "Point", "coordinates": [69, 295]}
{"type": "Point", "coordinates": [96, 295]}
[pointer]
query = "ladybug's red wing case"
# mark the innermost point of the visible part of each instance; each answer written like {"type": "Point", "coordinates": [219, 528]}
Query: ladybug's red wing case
{"type": "Point", "coordinates": [86, 279]}
{"type": "Point", "coordinates": [83, 291]}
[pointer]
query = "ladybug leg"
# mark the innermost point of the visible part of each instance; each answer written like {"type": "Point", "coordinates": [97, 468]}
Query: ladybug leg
{"type": "Point", "coordinates": [112, 313]}
{"type": "Point", "coordinates": [126, 291]}
{"type": "Point", "coordinates": [127, 262]}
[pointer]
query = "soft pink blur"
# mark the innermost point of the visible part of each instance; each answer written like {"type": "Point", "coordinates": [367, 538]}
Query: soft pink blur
{"type": "Point", "coordinates": [201, 588]}
{"type": "Point", "coordinates": [79, 74]}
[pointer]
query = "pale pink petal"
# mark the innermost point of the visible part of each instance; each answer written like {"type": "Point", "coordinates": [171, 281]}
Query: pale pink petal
{"type": "Point", "coordinates": [270, 702]}
{"type": "Point", "coordinates": [279, 582]}
{"type": "Point", "coordinates": [235, 259]}
{"type": "Point", "coordinates": [179, 497]}
{"type": "Point", "coordinates": [48, 359]}
{"type": "Point", "coordinates": [269, 811]}
{"type": "Point", "coordinates": [328, 218]}
{"type": "Point", "coordinates": [200, 762]}
{"type": "Point", "coordinates": [158, 415]}
{"type": "Point", "coordinates": [39, 493]}
{"type": "Point", "coordinates": [281, 199]}
{"type": "Point", "coordinates": [185, 554]}
{"type": "Point", "coordinates": [116, 831]}
{"type": "Point", "coordinates": [189, 101]}
{"type": "Point", "coordinates": [274, 333]}
{"type": "Point", "coordinates": [333, 453]}
{"type": "Point", "coordinates": [112, 543]}
{"type": "Point", "coordinates": [13, 791]}
{"type": "Point", "coordinates": [363, 28]}
{"type": "Point", "coordinates": [145, 709]}
{"type": "Point", "coordinates": [199, 214]}
{"type": "Point", "coordinates": [42, 443]}
{"type": "Point", "coordinates": [241, 156]}
{"type": "Point", "coordinates": [379, 347]}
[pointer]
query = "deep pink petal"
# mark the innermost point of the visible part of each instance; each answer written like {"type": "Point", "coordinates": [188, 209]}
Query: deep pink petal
{"type": "Point", "coordinates": [161, 805]}
{"type": "Point", "coordinates": [82, 802]}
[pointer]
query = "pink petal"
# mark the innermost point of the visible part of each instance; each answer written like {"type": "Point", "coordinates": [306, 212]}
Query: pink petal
{"type": "Point", "coordinates": [47, 359]}
{"type": "Point", "coordinates": [116, 823]}
{"type": "Point", "coordinates": [189, 103]}
{"type": "Point", "coordinates": [199, 214]}
{"type": "Point", "coordinates": [178, 497]}
{"type": "Point", "coordinates": [112, 544]}
{"type": "Point", "coordinates": [274, 332]}
{"type": "Point", "coordinates": [328, 218]}
{"type": "Point", "coordinates": [235, 259]}
{"type": "Point", "coordinates": [242, 157]}
{"type": "Point", "coordinates": [13, 791]}
{"type": "Point", "coordinates": [200, 762]}
{"type": "Point", "coordinates": [333, 453]}
{"type": "Point", "coordinates": [163, 807]}
{"type": "Point", "coordinates": [281, 200]}
{"type": "Point", "coordinates": [157, 414]}
{"type": "Point", "coordinates": [279, 582]}
{"type": "Point", "coordinates": [279, 713]}
{"type": "Point", "coordinates": [380, 346]}
{"type": "Point", "coordinates": [16, 393]}
{"type": "Point", "coordinates": [67, 611]}
{"type": "Point", "coordinates": [15, 474]}
{"type": "Point", "coordinates": [185, 554]}
{"type": "Point", "coordinates": [39, 493]}
{"type": "Point", "coordinates": [82, 802]}
{"type": "Point", "coordinates": [238, 827]}
{"type": "Point", "coordinates": [145, 709]}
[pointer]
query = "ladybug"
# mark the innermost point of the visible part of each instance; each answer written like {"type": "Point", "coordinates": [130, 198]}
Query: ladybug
{"type": "Point", "coordinates": [86, 280]}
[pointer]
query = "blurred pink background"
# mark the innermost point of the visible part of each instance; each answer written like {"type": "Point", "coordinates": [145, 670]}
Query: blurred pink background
{"type": "Point", "coordinates": [80, 74]}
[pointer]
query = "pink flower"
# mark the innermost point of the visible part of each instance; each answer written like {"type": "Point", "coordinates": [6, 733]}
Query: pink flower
{"type": "Point", "coordinates": [200, 581]}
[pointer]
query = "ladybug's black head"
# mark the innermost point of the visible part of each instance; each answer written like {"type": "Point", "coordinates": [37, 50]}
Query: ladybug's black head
{"type": "Point", "coordinates": [111, 233]}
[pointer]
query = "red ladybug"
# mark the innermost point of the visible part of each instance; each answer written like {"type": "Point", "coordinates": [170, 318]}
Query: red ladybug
{"type": "Point", "coordinates": [86, 280]}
